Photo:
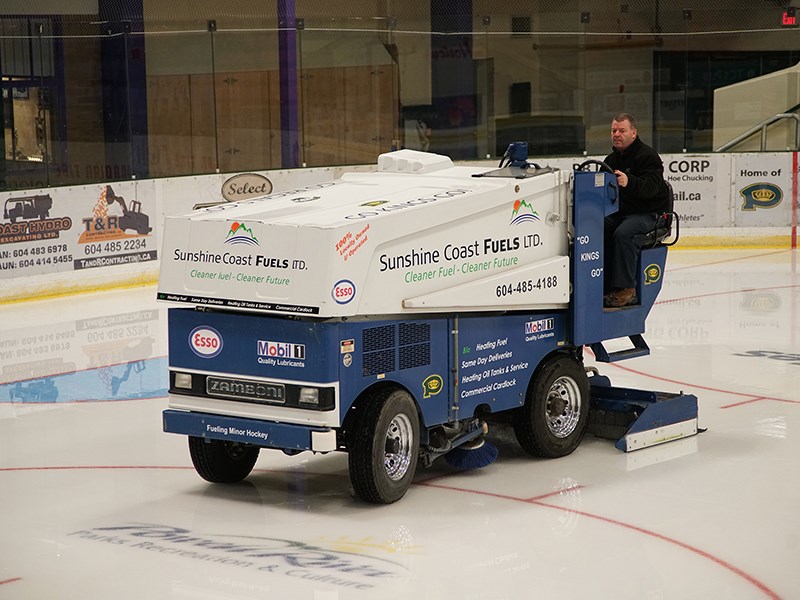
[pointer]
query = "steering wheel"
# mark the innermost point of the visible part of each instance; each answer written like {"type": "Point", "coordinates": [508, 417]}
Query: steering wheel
{"type": "Point", "coordinates": [601, 166]}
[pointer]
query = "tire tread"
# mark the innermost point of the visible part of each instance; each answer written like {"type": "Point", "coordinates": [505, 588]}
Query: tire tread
{"type": "Point", "coordinates": [213, 463]}
{"type": "Point", "coordinates": [531, 432]}
{"type": "Point", "coordinates": [368, 478]}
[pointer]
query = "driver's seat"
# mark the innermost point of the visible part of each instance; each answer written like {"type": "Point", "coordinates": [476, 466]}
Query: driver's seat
{"type": "Point", "coordinates": [664, 223]}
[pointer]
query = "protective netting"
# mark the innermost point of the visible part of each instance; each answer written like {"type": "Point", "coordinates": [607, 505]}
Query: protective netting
{"type": "Point", "coordinates": [100, 90]}
{"type": "Point", "coordinates": [517, 17]}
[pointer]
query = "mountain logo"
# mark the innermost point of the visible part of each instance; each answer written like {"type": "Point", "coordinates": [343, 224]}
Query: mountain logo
{"type": "Point", "coordinates": [523, 213]}
{"type": "Point", "coordinates": [240, 234]}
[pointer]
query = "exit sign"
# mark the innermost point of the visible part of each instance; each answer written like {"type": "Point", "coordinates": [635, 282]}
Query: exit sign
{"type": "Point", "coordinates": [789, 19]}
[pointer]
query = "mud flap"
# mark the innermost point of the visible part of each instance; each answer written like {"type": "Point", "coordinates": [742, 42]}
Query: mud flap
{"type": "Point", "coordinates": [637, 418]}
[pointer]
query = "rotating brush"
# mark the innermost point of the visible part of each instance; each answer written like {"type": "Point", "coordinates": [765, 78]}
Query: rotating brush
{"type": "Point", "coordinates": [474, 454]}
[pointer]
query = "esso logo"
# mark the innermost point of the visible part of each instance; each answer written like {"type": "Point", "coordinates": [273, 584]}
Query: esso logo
{"type": "Point", "coordinates": [206, 342]}
{"type": "Point", "coordinates": [343, 291]}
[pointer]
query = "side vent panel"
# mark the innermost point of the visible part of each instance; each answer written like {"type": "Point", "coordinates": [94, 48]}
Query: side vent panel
{"type": "Point", "coordinates": [415, 345]}
{"type": "Point", "coordinates": [379, 349]}
{"type": "Point", "coordinates": [376, 363]}
{"type": "Point", "coordinates": [388, 348]}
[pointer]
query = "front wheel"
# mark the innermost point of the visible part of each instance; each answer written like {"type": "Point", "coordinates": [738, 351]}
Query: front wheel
{"type": "Point", "coordinates": [384, 446]}
{"type": "Point", "coordinates": [219, 461]}
{"type": "Point", "coordinates": [556, 412]}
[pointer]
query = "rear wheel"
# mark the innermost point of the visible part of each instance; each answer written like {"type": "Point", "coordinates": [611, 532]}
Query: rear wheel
{"type": "Point", "coordinates": [384, 446]}
{"type": "Point", "coordinates": [219, 461]}
{"type": "Point", "coordinates": [556, 412]}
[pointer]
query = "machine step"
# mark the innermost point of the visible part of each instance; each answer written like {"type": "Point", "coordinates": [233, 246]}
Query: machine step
{"type": "Point", "coordinates": [640, 348]}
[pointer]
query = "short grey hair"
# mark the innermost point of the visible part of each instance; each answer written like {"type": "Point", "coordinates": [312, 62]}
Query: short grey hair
{"type": "Point", "coordinates": [626, 117]}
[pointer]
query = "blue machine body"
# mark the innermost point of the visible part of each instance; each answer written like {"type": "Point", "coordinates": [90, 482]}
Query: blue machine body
{"type": "Point", "coordinates": [596, 197]}
{"type": "Point", "coordinates": [452, 365]}
{"type": "Point", "coordinates": [489, 362]}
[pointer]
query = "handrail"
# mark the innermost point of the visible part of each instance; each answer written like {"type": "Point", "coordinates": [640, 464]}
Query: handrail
{"type": "Point", "coordinates": [762, 127]}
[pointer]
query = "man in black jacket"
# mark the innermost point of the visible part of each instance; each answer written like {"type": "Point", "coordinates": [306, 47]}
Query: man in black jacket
{"type": "Point", "coordinates": [643, 195]}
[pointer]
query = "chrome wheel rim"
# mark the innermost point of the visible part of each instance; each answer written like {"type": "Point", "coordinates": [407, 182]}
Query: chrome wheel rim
{"type": "Point", "coordinates": [563, 408]}
{"type": "Point", "coordinates": [398, 448]}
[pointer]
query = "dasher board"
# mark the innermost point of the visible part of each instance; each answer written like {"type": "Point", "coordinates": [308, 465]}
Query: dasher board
{"type": "Point", "coordinates": [417, 235]}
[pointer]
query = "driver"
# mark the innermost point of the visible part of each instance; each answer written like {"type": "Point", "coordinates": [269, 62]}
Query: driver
{"type": "Point", "coordinates": [643, 195]}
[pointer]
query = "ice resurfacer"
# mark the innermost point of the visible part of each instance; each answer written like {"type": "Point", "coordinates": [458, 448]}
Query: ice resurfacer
{"type": "Point", "coordinates": [393, 314]}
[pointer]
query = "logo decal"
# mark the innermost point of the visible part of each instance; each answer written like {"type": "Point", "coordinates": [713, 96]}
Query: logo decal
{"type": "Point", "coordinates": [245, 389]}
{"type": "Point", "coordinates": [245, 186]}
{"type": "Point", "coordinates": [761, 195]}
{"type": "Point", "coordinates": [652, 274]}
{"type": "Point", "coordinates": [35, 224]}
{"type": "Point", "coordinates": [375, 203]}
{"type": "Point", "coordinates": [539, 326]}
{"type": "Point", "coordinates": [341, 566]}
{"type": "Point", "coordinates": [205, 341]}
{"type": "Point", "coordinates": [281, 349]}
{"type": "Point", "coordinates": [240, 234]}
{"type": "Point", "coordinates": [379, 210]}
{"type": "Point", "coordinates": [343, 291]}
{"type": "Point", "coordinates": [432, 385]}
{"type": "Point", "coordinates": [540, 330]}
{"type": "Point", "coordinates": [112, 218]}
{"type": "Point", "coordinates": [523, 213]}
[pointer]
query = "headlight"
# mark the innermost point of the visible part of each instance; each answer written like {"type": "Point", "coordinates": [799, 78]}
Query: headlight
{"type": "Point", "coordinates": [183, 381]}
{"type": "Point", "coordinates": [309, 396]}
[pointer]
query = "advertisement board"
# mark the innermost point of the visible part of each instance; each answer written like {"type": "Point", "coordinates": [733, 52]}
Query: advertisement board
{"type": "Point", "coordinates": [700, 183]}
{"type": "Point", "coordinates": [762, 192]}
{"type": "Point", "coordinates": [71, 229]}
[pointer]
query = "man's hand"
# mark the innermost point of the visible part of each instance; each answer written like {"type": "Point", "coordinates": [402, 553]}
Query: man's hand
{"type": "Point", "coordinates": [622, 178]}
